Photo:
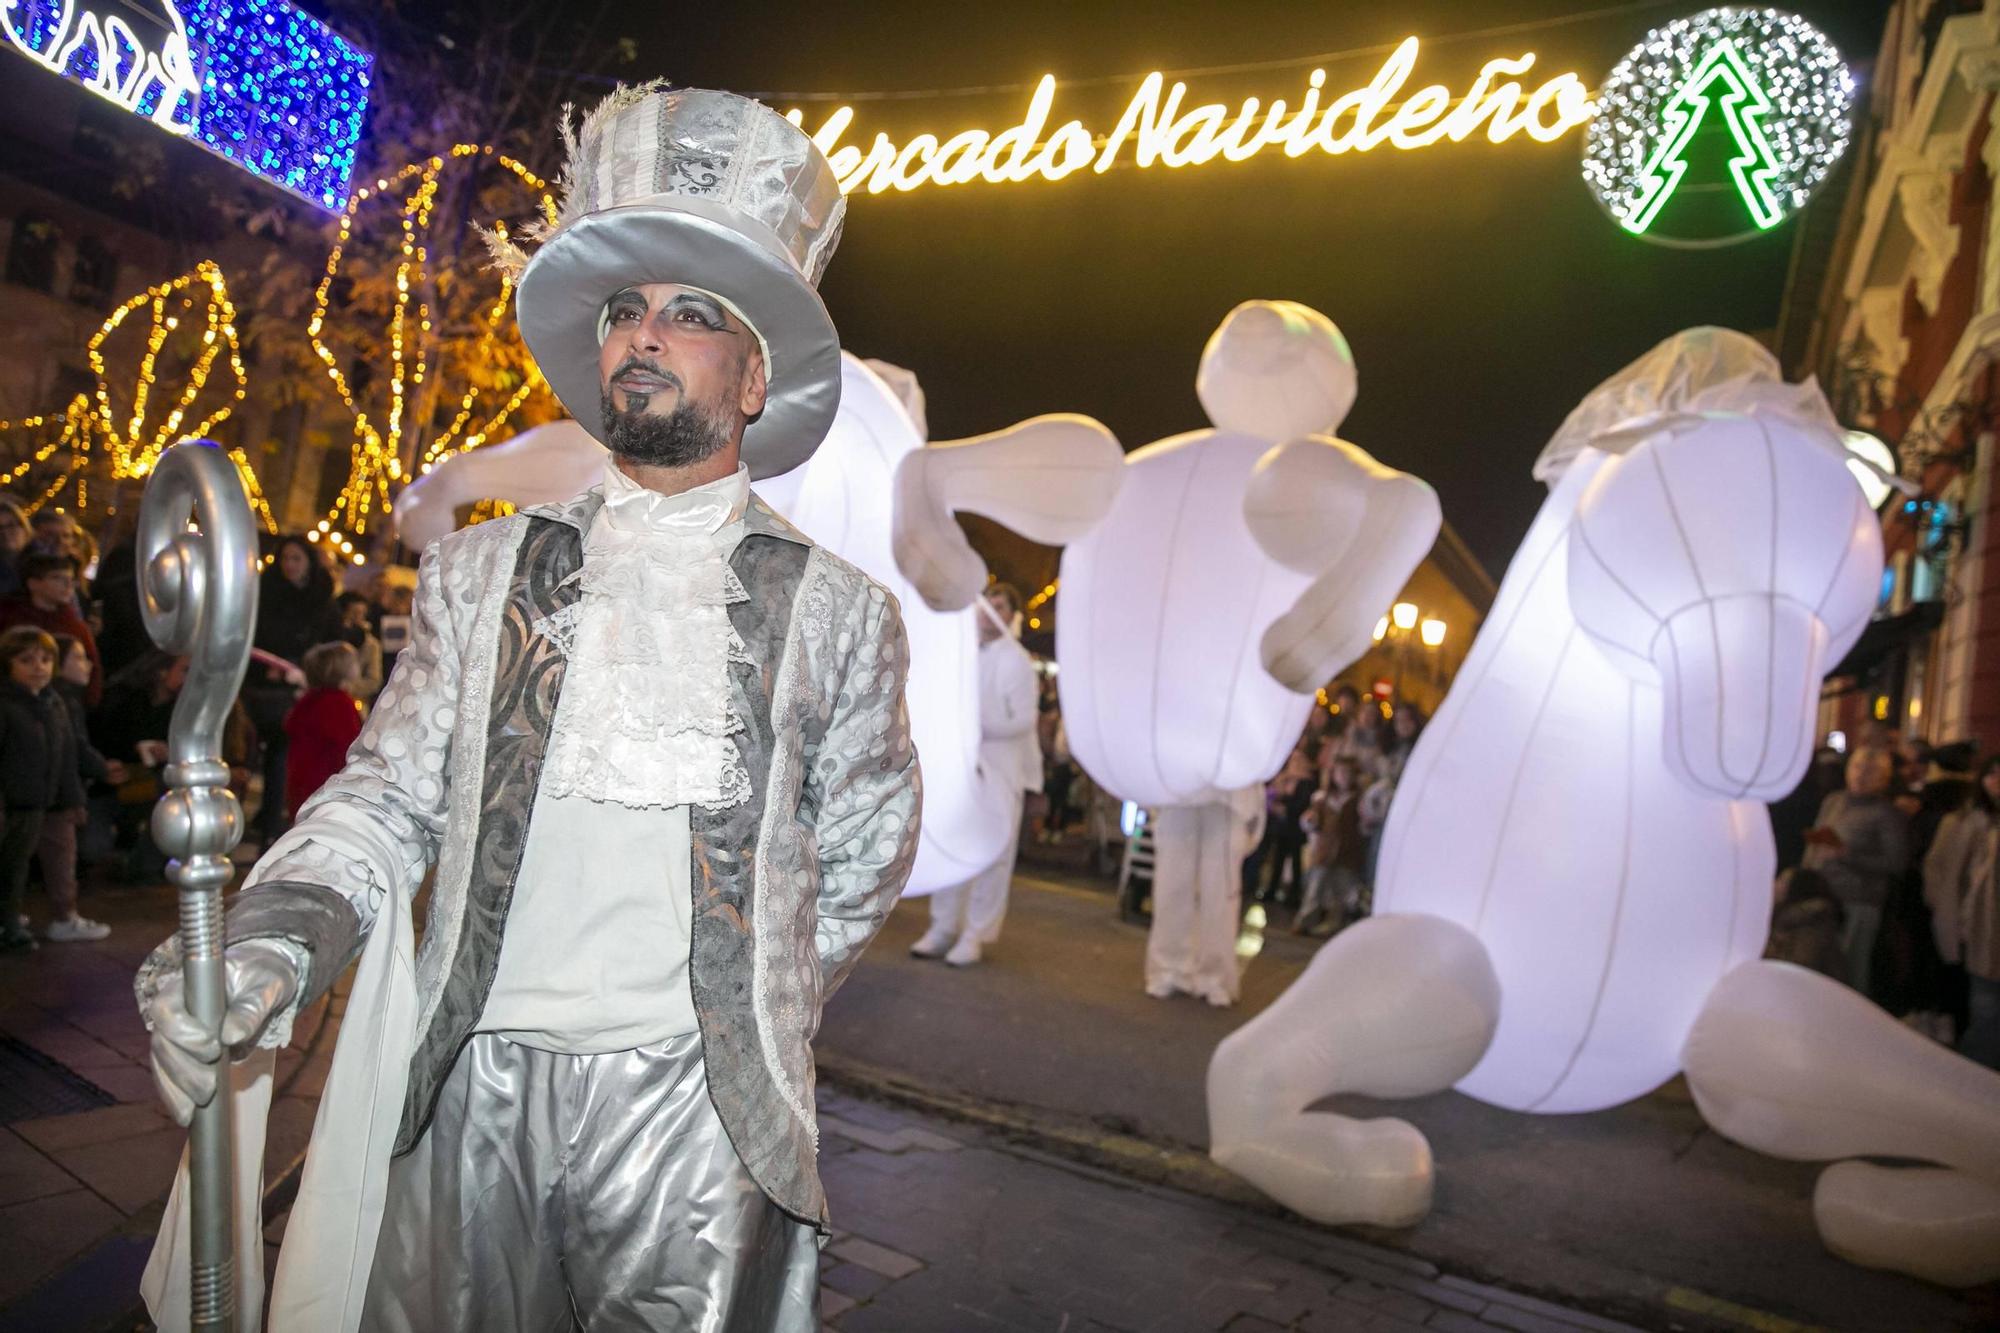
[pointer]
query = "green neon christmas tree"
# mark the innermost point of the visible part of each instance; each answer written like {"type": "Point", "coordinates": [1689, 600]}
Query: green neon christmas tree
{"type": "Point", "coordinates": [1744, 105]}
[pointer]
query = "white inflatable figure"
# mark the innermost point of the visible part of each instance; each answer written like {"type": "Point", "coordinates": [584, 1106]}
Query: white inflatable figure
{"type": "Point", "coordinates": [1047, 478]}
{"type": "Point", "coordinates": [1575, 880]}
{"type": "Point", "coordinates": [1241, 568]}
{"type": "Point", "coordinates": [541, 465]}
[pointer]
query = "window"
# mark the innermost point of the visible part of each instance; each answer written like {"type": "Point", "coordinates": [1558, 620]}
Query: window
{"type": "Point", "coordinates": [31, 254]}
{"type": "Point", "coordinates": [93, 279]}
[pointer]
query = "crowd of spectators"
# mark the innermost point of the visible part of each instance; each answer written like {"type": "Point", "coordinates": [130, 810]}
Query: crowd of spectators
{"type": "Point", "coordinates": [87, 702]}
{"type": "Point", "coordinates": [1887, 863]}
{"type": "Point", "coordinates": [1324, 812]}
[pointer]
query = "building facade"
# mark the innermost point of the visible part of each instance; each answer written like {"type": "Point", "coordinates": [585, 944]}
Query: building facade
{"type": "Point", "coordinates": [1900, 319]}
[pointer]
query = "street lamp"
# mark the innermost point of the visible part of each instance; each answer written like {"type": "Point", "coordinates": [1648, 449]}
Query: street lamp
{"type": "Point", "coordinates": [1404, 622]}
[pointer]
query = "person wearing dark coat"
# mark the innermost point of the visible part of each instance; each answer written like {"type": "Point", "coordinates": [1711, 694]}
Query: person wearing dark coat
{"type": "Point", "coordinates": [56, 850]}
{"type": "Point", "coordinates": [124, 639]}
{"type": "Point", "coordinates": [38, 770]}
{"type": "Point", "coordinates": [295, 610]}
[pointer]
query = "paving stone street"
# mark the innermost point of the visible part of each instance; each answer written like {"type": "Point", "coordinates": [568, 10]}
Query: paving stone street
{"type": "Point", "coordinates": [955, 1208]}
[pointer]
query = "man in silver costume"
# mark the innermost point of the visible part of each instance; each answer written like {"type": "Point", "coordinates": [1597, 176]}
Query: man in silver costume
{"type": "Point", "coordinates": [652, 741]}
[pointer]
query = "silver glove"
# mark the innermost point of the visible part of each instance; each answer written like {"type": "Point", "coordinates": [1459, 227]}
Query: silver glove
{"type": "Point", "coordinates": [262, 979]}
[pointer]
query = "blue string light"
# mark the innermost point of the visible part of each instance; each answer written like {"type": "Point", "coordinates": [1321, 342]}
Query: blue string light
{"type": "Point", "coordinates": [273, 90]}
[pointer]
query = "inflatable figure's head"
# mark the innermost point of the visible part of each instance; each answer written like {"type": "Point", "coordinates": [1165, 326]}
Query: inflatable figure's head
{"type": "Point", "coordinates": [1277, 370]}
{"type": "Point", "coordinates": [1722, 550]}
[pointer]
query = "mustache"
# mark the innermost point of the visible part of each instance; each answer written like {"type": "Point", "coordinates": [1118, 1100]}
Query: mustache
{"type": "Point", "coordinates": [652, 368]}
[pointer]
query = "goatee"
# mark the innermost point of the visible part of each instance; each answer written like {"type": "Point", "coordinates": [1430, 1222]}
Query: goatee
{"type": "Point", "coordinates": [680, 438]}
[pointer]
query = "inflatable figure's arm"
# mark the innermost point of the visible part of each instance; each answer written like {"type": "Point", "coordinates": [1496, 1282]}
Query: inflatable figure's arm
{"type": "Point", "coordinates": [538, 466]}
{"type": "Point", "coordinates": [1051, 479]}
{"type": "Point", "coordinates": [1324, 507]}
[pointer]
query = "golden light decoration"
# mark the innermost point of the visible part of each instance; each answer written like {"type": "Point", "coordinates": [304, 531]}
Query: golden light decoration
{"type": "Point", "coordinates": [136, 443]}
{"type": "Point", "coordinates": [376, 457]}
{"type": "Point", "coordinates": [122, 432]}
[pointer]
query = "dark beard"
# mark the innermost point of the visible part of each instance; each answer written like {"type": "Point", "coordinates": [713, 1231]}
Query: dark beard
{"type": "Point", "coordinates": [681, 438]}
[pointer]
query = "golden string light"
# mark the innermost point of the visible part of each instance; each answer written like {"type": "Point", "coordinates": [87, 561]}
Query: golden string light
{"type": "Point", "coordinates": [132, 441]}
{"type": "Point", "coordinates": [376, 464]}
{"type": "Point", "coordinates": [91, 425]}
{"type": "Point", "coordinates": [136, 447]}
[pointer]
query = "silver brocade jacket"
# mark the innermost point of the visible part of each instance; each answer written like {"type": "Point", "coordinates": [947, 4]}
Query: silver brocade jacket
{"type": "Point", "coordinates": [789, 886]}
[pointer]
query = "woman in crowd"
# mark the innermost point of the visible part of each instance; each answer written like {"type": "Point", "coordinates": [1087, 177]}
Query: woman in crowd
{"type": "Point", "coordinates": [1336, 854]}
{"type": "Point", "coordinates": [13, 541]}
{"type": "Point", "coordinates": [294, 606]}
{"type": "Point", "coordinates": [1965, 910]}
{"type": "Point", "coordinates": [354, 630]}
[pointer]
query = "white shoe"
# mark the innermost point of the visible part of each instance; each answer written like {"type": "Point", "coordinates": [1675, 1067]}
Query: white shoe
{"type": "Point", "coordinates": [933, 944]}
{"type": "Point", "coordinates": [964, 953]}
{"type": "Point", "coordinates": [75, 930]}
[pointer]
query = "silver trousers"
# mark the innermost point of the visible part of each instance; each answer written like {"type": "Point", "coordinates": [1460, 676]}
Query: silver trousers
{"type": "Point", "coordinates": [556, 1192]}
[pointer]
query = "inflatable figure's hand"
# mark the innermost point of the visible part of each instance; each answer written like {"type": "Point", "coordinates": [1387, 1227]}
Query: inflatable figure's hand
{"type": "Point", "coordinates": [1324, 507]}
{"type": "Point", "coordinates": [541, 465]}
{"type": "Point", "coordinates": [1051, 479]}
{"type": "Point", "coordinates": [262, 979]}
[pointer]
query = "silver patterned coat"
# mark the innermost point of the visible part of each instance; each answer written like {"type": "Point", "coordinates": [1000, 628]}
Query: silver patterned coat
{"type": "Point", "coordinates": [788, 886]}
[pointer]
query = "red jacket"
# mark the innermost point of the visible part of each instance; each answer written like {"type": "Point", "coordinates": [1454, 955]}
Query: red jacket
{"type": "Point", "coordinates": [63, 620]}
{"type": "Point", "coordinates": [321, 725]}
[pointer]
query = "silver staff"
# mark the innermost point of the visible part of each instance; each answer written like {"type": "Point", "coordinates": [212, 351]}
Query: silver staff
{"type": "Point", "coordinates": [199, 593]}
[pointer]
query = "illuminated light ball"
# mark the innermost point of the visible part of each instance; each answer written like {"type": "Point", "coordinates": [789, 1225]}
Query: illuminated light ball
{"type": "Point", "coordinates": [1766, 77]}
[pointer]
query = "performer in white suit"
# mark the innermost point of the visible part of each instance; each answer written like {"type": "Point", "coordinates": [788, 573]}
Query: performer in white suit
{"type": "Point", "coordinates": [967, 918]}
{"type": "Point", "coordinates": [652, 742]}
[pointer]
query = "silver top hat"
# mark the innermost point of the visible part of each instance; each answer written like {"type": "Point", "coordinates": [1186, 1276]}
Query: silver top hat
{"type": "Point", "coordinates": [710, 190]}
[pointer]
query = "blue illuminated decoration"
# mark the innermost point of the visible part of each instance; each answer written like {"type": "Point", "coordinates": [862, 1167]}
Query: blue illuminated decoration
{"type": "Point", "coordinates": [275, 91]}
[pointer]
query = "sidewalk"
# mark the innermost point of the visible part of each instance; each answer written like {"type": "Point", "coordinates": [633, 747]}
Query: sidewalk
{"type": "Point", "coordinates": [941, 1225]}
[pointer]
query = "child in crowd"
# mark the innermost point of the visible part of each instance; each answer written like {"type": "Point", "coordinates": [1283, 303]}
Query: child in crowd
{"type": "Point", "coordinates": [323, 723]}
{"type": "Point", "coordinates": [37, 766]}
{"type": "Point", "coordinates": [56, 848]}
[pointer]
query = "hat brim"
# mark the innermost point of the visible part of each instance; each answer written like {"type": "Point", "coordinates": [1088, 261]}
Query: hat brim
{"type": "Point", "coordinates": [563, 290]}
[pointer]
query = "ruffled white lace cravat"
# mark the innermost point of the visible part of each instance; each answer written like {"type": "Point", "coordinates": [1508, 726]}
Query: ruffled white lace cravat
{"type": "Point", "coordinates": [646, 718]}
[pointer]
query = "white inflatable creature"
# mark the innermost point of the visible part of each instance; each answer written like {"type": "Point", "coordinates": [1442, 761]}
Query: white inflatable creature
{"type": "Point", "coordinates": [1575, 879]}
{"type": "Point", "coordinates": [1240, 568]}
{"type": "Point", "coordinates": [1046, 478]}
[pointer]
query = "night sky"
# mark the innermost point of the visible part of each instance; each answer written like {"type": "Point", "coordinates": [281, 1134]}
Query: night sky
{"type": "Point", "coordinates": [1480, 286]}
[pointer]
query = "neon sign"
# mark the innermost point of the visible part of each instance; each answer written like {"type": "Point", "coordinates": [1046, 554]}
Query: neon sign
{"type": "Point", "coordinates": [1162, 132]}
{"type": "Point", "coordinates": [256, 81]}
{"type": "Point", "coordinates": [1743, 106]}
{"type": "Point", "coordinates": [1783, 93]}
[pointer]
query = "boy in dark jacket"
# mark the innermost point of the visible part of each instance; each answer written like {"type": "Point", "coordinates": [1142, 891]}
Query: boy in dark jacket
{"type": "Point", "coordinates": [37, 764]}
{"type": "Point", "coordinates": [57, 848]}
